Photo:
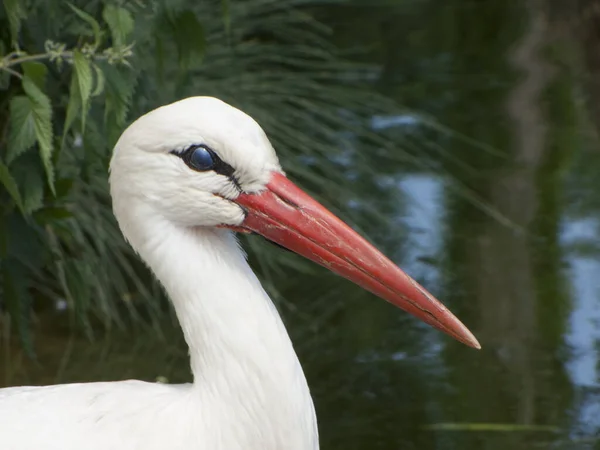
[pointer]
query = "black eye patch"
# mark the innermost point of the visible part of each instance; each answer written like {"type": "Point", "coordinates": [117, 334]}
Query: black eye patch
{"type": "Point", "coordinates": [202, 158]}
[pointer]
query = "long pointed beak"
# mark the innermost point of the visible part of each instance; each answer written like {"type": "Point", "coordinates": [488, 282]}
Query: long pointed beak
{"type": "Point", "coordinates": [286, 215]}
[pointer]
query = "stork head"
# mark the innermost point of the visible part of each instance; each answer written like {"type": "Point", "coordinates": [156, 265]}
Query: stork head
{"type": "Point", "coordinates": [189, 160]}
{"type": "Point", "coordinates": [200, 162]}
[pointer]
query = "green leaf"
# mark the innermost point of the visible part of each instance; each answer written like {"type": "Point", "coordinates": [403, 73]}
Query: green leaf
{"type": "Point", "coordinates": [73, 106]}
{"type": "Point", "coordinates": [33, 194]}
{"type": "Point", "coordinates": [81, 90]}
{"type": "Point", "coordinates": [119, 91]}
{"type": "Point", "coordinates": [21, 132]}
{"type": "Point", "coordinates": [100, 81]}
{"type": "Point", "coordinates": [36, 72]}
{"type": "Point", "coordinates": [29, 174]}
{"type": "Point", "coordinates": [41, 110]}
{"type": "Point", "coordinates": [15, 13]}
{"type": "Point", "coordinates": [120, 22]}
{"type": "Point", "coordinates": [9, 183]}
{"type": "Point", "coordinates": [92, 22]}
{"type": "Point", "coordinates": [85, 81]}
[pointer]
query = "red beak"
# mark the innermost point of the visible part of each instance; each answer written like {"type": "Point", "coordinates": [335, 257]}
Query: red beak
{"type": "Point", "coordinates": [286, 215]}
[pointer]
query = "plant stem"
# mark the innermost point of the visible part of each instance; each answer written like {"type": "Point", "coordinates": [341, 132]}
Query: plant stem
{"type": "Point", "coordinates": [9, 61]}
{"type": "Point", "coordinates": [12, 72]}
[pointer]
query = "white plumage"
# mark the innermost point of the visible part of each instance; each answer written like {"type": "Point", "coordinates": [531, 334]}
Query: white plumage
{"type": "Point", "coordinates": [249, 391]}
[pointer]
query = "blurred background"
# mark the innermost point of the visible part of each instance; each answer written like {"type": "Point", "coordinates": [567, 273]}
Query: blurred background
{"type": "Point", "coordinates": [460, 136]}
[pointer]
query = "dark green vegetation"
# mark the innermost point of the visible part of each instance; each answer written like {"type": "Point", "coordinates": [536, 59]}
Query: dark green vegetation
{"type": "Point", "coordinates": [488, 194]}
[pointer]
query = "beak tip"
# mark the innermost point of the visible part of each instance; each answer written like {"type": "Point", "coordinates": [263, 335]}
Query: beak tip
{"type": "Point", "coordinates": [470, 340]}
{"type": "Point", "coordinates": [475, 344]}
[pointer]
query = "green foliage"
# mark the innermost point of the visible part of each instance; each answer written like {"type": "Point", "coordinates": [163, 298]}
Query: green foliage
{"type": "Point", "coordinates": [40, 111]}
{"type": "Point", "coordinates": [86, 83]}
{"type": "Point", "coordinates": [187, 34]}
{"type": "Point", "coordinates": [45, 252]}
{"type": "Point", "coordinates": [120, 22]}
{"type": "Point", "coordinates": [21, 135]}
{"type": "Point", "coordinates": [93, 23]}
{"type": "Point", "coordinates": [36, 72]}
{"type": "Point", "coordinates": [10, 185]}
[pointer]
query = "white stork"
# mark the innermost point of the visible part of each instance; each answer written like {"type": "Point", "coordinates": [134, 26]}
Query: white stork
{"type": "Point", "coordinates": [183, 178]}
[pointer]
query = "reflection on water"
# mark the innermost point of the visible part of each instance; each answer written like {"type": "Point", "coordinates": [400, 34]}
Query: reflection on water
{"type": "Point", "coordinates": [424, 215]}
{"type": "Point", "coordinates": [585, 318]}
{"type": "Point", "coordinates": [584, 333]}
{"type": "Point", "coordinates": [424, 212]}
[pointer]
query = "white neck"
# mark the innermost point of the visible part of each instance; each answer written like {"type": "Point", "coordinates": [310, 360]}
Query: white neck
{"type": "Point", "coordinates": [246, 372]}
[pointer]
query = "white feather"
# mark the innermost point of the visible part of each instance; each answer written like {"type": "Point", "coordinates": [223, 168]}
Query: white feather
{"type": "Point", "coordinates": [249, 391]}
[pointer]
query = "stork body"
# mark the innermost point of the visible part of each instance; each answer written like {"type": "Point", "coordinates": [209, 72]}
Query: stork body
{"type": "Point", "coordinates": [182, 177]}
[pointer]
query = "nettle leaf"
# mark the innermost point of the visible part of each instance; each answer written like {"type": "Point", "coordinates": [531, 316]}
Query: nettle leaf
{"type": "Point", "coordinates": [92, 22]}
{"type": "Point", "coordinates": [85, 82]}
{"type": "Point", "coordinates": [41, 110]}
{"type": "Point", "coordinates": [81, 90]}
{"type": "Point", "coordinates": [73, 106]}
{"type": "Point", "coordinates": [36, 72]}
{"type": "Point", "coordinates": [33, 193]}
{"type": "Point", "coordinates": [10, 184]}
{"type": "Point", "coordinates": [15, 13]}
{"type": "Point", "coordinates": [120, 22]}
{"type": "Point", "coordinates": [29, 174]}
{"type": "Point", "coordinates": [21, 132]}
{"type": "Point", "coordinates": [119, 91]}
{"type": "Point", "coordinates": [100, 81]}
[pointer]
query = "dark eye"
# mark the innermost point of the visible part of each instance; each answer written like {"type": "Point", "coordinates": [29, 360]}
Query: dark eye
{"type": "Point", "coordinates": [201, 158]}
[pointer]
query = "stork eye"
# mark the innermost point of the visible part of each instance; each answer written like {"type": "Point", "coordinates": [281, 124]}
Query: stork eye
{"type": "Point", "coordinates": [200, 158]}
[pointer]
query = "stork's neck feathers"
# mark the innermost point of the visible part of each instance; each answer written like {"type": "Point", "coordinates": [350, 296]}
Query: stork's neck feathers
{"type": "Point", "coordinates": [226, 316]}
{"type": "Point", "coordinates": [240, 353]}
